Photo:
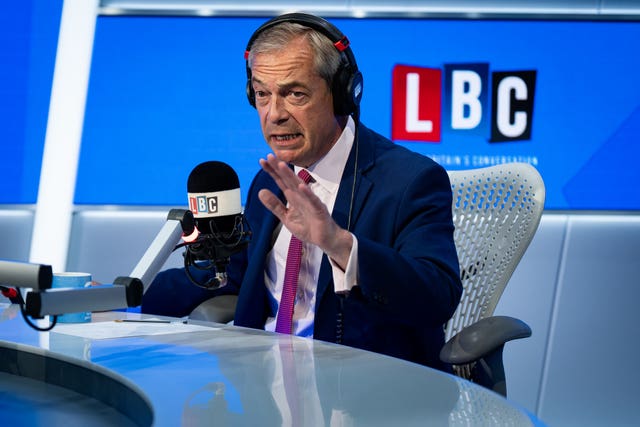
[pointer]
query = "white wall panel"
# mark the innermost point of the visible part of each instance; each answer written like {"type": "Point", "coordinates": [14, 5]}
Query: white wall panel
{"type": "Point", "coordinates": [16, 227]}
{"type": "Point", "coordinates": [529, 297]}
{"type": "Point", "coordinates": [591, 378]}
{"type": "Point", "coordinates": [109, 243]}
{"type": "Point", "coordinates": [619, 6]}
{"type": "Point", "coordinates": [410, 8]}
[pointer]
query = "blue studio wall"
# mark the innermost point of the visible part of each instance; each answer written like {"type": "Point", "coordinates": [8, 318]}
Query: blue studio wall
{"type": "Point", "coordinates": [168, 92]}
{"type": "Point", "coordinates": [29, 34]}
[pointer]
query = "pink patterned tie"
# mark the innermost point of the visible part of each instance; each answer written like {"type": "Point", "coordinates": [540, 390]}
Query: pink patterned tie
{"type": "Point", "coordinates": [289, 289]}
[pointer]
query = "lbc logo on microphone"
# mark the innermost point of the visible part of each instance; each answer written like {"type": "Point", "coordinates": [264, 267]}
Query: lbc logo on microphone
{"type": "Point", "coordinates": [423, 106]}
{"type": "Point", "coordinates": [203, 204]}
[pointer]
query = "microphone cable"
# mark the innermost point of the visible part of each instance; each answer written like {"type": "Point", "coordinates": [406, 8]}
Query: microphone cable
{"type": "Point", "coordinates": [211, 252]}
{"type": "Point", "coordinates": [16, 297]}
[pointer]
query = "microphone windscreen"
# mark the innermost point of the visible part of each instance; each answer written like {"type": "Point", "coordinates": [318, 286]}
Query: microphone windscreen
{"type": "Point", "coordinates": [213, 190]}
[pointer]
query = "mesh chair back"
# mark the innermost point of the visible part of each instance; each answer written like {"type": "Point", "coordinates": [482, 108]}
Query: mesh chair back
{"type": "Point", "coordinates": [496, 212]}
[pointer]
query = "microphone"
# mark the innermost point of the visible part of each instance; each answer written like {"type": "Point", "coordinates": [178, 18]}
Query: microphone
{"type": "Point", "coordinates": [213, 190]}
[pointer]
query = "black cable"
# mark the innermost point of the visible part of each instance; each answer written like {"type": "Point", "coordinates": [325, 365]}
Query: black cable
{"type": "Point", "coordinates": [211, 252]}
{"type": "Point", "coordinates": [33, 325]}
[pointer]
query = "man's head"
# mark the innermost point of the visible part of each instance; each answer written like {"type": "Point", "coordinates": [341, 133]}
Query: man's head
{"type": "Point", "coordinates": [298, 80]}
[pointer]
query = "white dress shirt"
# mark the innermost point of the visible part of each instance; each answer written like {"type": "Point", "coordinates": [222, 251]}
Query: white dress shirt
{"type": "Point", "coordinates": [326, 173]}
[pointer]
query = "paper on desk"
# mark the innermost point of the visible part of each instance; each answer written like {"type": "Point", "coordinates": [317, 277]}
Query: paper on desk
{"type": "Point", "coordinates": [112, 329]}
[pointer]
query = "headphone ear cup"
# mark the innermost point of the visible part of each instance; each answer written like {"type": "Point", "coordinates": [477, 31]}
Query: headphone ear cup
{"type": "Point", "coordinates": [341, 104]}
{"type": "Point", "coordinates": [347, 91]}
{"type": "Point", "coordinates": [354, 91]}
{"type": "Point", "coordinates": [251, 95]}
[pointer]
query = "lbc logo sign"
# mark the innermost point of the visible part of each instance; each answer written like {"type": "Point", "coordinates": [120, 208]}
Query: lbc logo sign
{"type": "Point", "coordinates": [203, 204]}
{"type": "Point", "coordinates": [424, 107]}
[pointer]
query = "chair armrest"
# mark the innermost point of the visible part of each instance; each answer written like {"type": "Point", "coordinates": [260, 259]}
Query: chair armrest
{"type": "Point", "coordinates": [220, 309]}
{"type": "Point", "coordinates": [481, 338]}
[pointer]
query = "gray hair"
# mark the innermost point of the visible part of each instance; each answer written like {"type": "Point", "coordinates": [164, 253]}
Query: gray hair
{"type": "Point", "coordinates": [326, 57]}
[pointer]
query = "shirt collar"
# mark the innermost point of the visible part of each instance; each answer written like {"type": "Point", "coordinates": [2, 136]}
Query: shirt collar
{"type": "Point", "coordinates": [328, 170]}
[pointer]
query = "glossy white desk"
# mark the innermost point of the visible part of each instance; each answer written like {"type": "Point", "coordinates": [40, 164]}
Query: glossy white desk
{"type": "Point", "coordinates": [224, 375]}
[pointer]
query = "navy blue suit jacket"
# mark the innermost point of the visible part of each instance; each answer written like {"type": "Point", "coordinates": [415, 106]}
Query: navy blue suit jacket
{"type": "Point", "coordinates": [409, 283]}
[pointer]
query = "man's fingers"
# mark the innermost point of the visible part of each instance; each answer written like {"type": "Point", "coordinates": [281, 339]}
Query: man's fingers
{"type": "Point", "coordinates": [301, 197]}
{"type": "Point", "coordinates": [271, 202]}
{"type": "Point", "coordinates": [280, 172]}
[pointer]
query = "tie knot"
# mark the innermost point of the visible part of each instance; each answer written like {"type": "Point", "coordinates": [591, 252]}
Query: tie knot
{"type": "Point", "coordinates": [305, 176]}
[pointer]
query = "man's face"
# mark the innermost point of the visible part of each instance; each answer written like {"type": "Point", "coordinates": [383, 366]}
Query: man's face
{"type": "Point", "coordinates": [295, 104]}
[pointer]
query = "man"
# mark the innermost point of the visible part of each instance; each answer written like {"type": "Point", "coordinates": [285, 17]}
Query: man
{"type": "Point", "coordinates": [379, 268]}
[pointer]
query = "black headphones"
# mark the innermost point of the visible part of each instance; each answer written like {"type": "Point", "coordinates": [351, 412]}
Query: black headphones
{"type": "Point", "coordinates": [347, 82]}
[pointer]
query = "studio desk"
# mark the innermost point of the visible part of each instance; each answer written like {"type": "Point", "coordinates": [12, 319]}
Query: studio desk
{"type": "Point", "coordinates": [172, 372]}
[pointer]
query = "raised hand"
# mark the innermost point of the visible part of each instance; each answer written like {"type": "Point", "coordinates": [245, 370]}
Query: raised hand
{"type": "Point", "coordinates": [305, 215]}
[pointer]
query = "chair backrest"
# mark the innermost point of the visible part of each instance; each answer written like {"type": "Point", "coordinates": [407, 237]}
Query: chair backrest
{"type": "Point", "coordinates": [496, 212]}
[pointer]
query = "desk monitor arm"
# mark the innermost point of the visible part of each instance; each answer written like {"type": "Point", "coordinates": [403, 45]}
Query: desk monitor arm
{"type": "Point", "coordinates": [124, 292]}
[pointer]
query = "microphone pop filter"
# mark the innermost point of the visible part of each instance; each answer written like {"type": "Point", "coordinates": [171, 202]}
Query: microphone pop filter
{"type": "Point", "coordinates": [213, 190]}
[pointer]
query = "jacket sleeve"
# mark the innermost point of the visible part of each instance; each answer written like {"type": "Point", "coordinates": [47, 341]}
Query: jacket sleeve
{"type": "Point", "coordinates": [411, 270]}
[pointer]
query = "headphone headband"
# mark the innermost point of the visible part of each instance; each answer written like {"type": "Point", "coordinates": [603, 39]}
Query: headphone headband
{"type": "Point", "coordinates": [348, 82]}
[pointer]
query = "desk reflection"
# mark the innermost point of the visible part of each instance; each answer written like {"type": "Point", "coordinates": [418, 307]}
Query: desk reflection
{"type": "Point", "coordinates": [336, 386]}
{"type": "Point", "coordinates": [230, 376]}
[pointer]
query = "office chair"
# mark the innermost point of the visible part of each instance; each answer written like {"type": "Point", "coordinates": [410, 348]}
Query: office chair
{"type": "Point", "coordinates": [496, 212]}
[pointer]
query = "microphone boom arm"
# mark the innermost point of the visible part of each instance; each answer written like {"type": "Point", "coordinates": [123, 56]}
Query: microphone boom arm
{"type": "Point", "coordinates": [125, 291]}
{"type": "Point", "coordinates": [179, 222]}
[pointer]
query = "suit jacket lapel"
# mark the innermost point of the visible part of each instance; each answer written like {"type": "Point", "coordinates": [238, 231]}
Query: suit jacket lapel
{"type": "Point", "coordinates": [264, 239]}
{"type": "Point", "coordinates": [250, 305]}
{"type": "Point", "coordinates": [364, 152]}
